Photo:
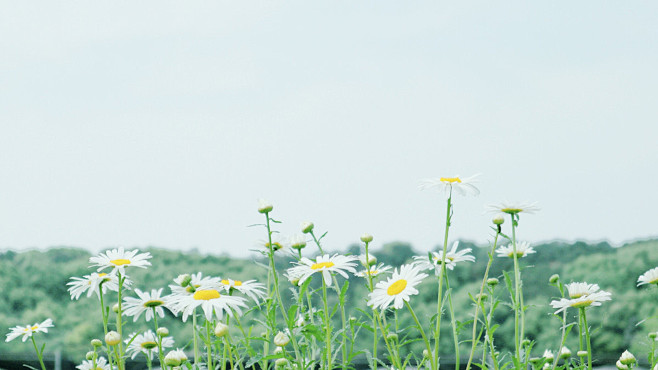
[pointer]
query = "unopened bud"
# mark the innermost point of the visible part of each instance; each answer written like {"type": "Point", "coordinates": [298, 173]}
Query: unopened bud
{"type": "Point", "coordinates": [554, 278]}
{"type": "Point", "coordinates": [581, 353]}
{"type": "Point", "coordinates": [184, 279]}
{"type": "Point", "coordinates": [621, 366]}
{"type": "Point", "coordinates": [278, 350]}
{"type": "Point", "coordinates": [112, 338]}
{"type": "Point", "coordinates": [280, 362]}
{"type": "Point", "coordinates": [481, 297]}
{"type": "Point", "coordinates": [366, 238]}
{"type": "Point", "coordinates": [565, 353]}
{"type": "Point", "coordinates": [392, 336]}
{"type": "Point", "coordinates": [307, 227]}
{"type": "Point", "coordinates": [171, 359]}
{"type": "Point", "coordinates": [90, 355]}
{"type": "Point", "coordinates": [492, 282]}
{"type": "Point", "coordinates": [627, 358]}
{"type": "Point", "coordinates": [498, 219]}
{"type": "Point", "coordinates": [96, 343]}
{"type": "Point", "coordinates": [162, 332]}
{"type": "Point", "coordinates": [221, 329]}
{"type": "Point", "coordinates": [281, 339]}
{"type": "Point", "coordinates": [115, 308]}
{"type": "Point", "coordinates": [298, 242]}
{"type": "Point", "coordinates": [426, 354]}
{"type": "Point", "coordinates": [653, 335]}
{"type": "Point", "coordinates": [372, 260]}
{"type": "Point", "coordinates": [264, 206]}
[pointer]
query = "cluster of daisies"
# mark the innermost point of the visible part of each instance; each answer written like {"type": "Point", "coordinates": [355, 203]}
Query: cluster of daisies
{"type": "Point", "coordinates": [218, 298]}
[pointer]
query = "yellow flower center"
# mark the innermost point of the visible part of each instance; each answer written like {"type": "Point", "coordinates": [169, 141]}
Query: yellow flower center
{"type": "Point", "coordinates": [317, 266]}
{"type": "Point", "coordinates": [191, 289]}
{"type": "Point", "coordinates": [149, 345]}
{"type": "Point", "coordinates": [511, 211]}
{"type": "Point", "coordinates": [396, 287]}
{"type": "Point", "coordinates": [153, 303]}
{"type": "Point", "coordinates": [235, 282]}
{"type": "Point", "coordinates": [120, 262]}
{"type": "Point", "coordinates": [518, 254]}
{"type": "Point", "coordinates": [35, 327]}
{"type": "Point", "coordinates": [582, 304]}
{"type": "Point", "coordinates": [451, 179]}
{"type": "Point", "coordinates": [206, 295]}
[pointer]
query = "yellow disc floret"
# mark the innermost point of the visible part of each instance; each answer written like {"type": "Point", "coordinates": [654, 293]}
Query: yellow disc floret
{"type": "Point", "coordinates": [206, 295]}
{"type": "Point", "coordinates": [120, 262]}
{"type": "Point", "coordinates": [451, 179]}
{"type": "Point", "coordinates": [317, 266]}
{"type": "Point", "coordinates": [396, 287]}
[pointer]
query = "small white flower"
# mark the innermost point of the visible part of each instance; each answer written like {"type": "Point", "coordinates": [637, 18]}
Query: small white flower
{"type": "Point", "coordinates": [397, 289]}
{"type": "Point", "coordinates": [522, 249]}
{"type": "Point", "coordinates": [101, 364]}
{"type": "Point", "coordinates": [146, 343]}
{"type": "Point", "coordinates": [649, 277]}
{"type": "Point", "coordinates": [461, 186]}
{"type": "Point", "coordinates": [250, 288]}
{"type": "Point", "coordinates": [452, 258]}
{"type": "Point", "coordinates": [548, 355]}
{"type": "Point", "coordinates": [323, 264]}
{"type": "Point", "coordinates": [145, 303]}
{"type": "Point", "coordinates": [565, 352]}
{"type": "Point", "coordinates": [513, 208]}
{"type": "Point", "coordinates": [112, 338]}
{"type": "Point", "coordinates": [93, 283]}
{"type": "Point", "coordinates": [175, 357]}
{"type": "Point", "coordinates": [27, 331]}
{"type": "Point", "coordinates": [307, 227]}
{"type": "Point", "coordinates": [581, 295]}
{"type": "Point", "coordinates": [374, 271]}
{"type": "Point", "coordinates": [297, 242]}
{"type": "Point", "coordinates": [281, 339]}
{"type": "Point", "coordinates": [209, 299]}
{"type": "Point", "coordinates": [221, 329]}
{"type": "Point", "coordinates": [119, 259]}
{"type": "Point", "coordinates": [264, 206]}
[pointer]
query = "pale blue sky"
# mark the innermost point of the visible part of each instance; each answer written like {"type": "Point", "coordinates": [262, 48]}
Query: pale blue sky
{"type": "Point", "coordinates": [162, 123]}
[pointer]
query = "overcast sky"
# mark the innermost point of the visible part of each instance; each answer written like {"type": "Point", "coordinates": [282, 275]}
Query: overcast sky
{"type": "Point", "coordinates": [158, 123]}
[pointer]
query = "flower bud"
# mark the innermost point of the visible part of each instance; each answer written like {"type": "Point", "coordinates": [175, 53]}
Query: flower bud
{"type": "Point", "coordinates": [112, 338]}
{"type": "Point", "coordinates": [275, 246]}
{"type": "Point", "coordinates": [264, 206]}
{"type": "Point", "coordinates": [548, 355]}
{"type": "Point", "coordinates": [352, 319]}
{"type": "Point", "coordinates": [627, 358]}
{"type": "Point", "coordinates": [426, 354]}
{"type": "Point", "coordinates": [565, 353]}
{"type": "Point", "coordinates": [298, 242]}
{"type": "Point", "coordinates": [581, 353]}
{"type": "Point", "coordinates": [392, 336]}
{"type": "Point", "coordinates": [162, 332]}
{"type": "Point", "coordinates": [184, 279]}
{"type": "Point", "coordinates": [492, 282]}
{"type": "Point", "coordinates": [172, 359]}
{"type": "Point", "coordinates": [498, 219]}
{"type": "Point", "coordinates": [307, 227]}
{"type": "Point", "coordinates": [366, 238]}
{"type": "Point", "coordinates": [653, 335]}
{"type": "Point", "coordinates": [621, 366]}
{"type": "Point", "coordinates": [278, 350]}
{"type": "Point", "coordinates": [280, 362]}
{"type": "Point", "coordinates": [221, 329]}
{"type": "Point", "coordinates": [90, 355]}
{"type": "Point", "coordinates": [535, 360]}
{"type": "Point", "coordinates": [281, 339]}
{"type": "Point", "coordinates": [115, 308]}
{"type": "Point", "coordinates": [554, 278]}
{"type": "Point", "coordinates": [525, 342]}
{"type": "Point", "coordinates": [372, 260]}
{"type": "Point", "coordinates": [96, 343]}
{"type": "Point", "coordinates": [481, 297]}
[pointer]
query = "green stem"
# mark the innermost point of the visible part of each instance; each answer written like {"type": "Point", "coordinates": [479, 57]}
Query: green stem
{"type": "Point", "coordinates": [327, 325]}
{"type": "Point", "coordinates": [317, 242]}
{"type": "Point", "coordinates": [474, 342]}
{"type": "Point", "coordinates": [453, 322]}
{"type": "Point", "coordinates": [149, 362]}
{"type": "Point", "coordinates": [420, 328]}
{"type": "Point", "coordinates": [374, 322]}
{"type": "Point", "coordinates": [341, 305]}
{"type": "Point", "coordinates": [105, 320]}
{"type": "Point", "coordinates": [194, 334]}
{"type": "Point", "coordinates": [209, 346]}
{"type": "Point", "coordinates": [160, 354]}
{"type": "Point", "coordinates": [518, 305]}
{"type": "Point", "coordinates": [487, 323]}
{"type": "Point", "coordinates": [39, 354]}
{"type": "Point", "coordinates": [120, 361]}
{"type": "Point", "coordinates": [437, 332]}
{"type": "Point", "coordinates": [394, 356]}
{"type": "Point", "coordinates": [589, 345]}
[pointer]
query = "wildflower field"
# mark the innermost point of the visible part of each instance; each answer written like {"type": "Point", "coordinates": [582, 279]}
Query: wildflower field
{"type": "Point", "coordinates": [300, 304]}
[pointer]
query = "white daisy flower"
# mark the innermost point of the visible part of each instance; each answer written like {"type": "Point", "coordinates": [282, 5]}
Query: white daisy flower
{"type": "Point", "coordinates": [581, 295]}
{"type": "Point", "coordinates": [264, 206]}
{"type": "Point", "coordinates": [101, 364]}
{"type": "Point", "coordinates": [512, 208]}
{"type": "Point", "coordinates": [452, 258]}
{"type": "Point", "coordinates": [627, 358]}
{"type": "Point", "coordinates": [145, 303]}
{"type": "Point", "coordinates": [522, 249]}
{"type": "Point", "coordinates": [462, 186]}
{"type": "Point", "coordinates": [396, 289]}
{"type": "Point", "coordinates": [324, 264]}
{"type": "Point", "coordinates": [374, 271]}
{"type": "Point", "coordinates": [146, 343]}
{"type": "Point", "coordinates": [209, 299]}
{"type": "Point", "coordinates": [92, 284]}
{"type": "Point", "coordinates": [196, 280]}
{"type": "Point", "coordinates": [649, 277]}
{"type": "Point", "coordinates": [250, 288]}
{"type": "Point", "coordinates": [27, 331]}
{"type": "Point", "coordinates": [118, 260]}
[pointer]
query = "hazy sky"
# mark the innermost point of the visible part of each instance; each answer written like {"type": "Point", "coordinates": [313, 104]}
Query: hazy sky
{"type": "Point", "coordinates": [161, 123]}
